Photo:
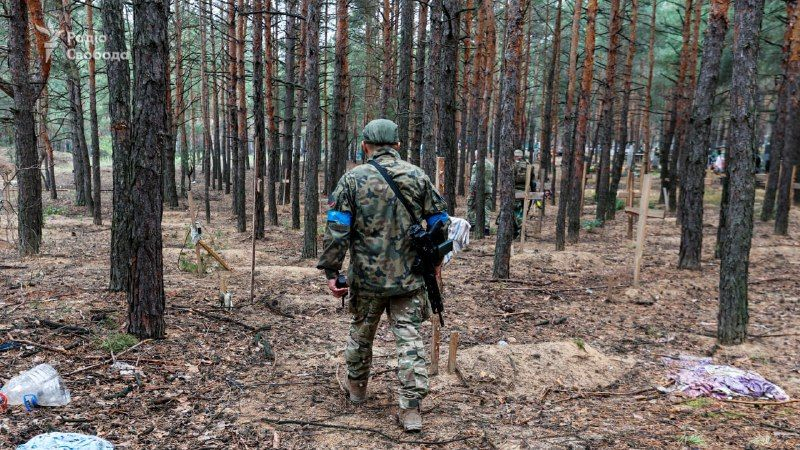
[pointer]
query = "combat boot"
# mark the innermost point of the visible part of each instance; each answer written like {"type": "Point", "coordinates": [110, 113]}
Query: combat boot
{"type": "Point", "coordinates": [356, 390]}
{"type": "Point", "coordinates": [411, 419]}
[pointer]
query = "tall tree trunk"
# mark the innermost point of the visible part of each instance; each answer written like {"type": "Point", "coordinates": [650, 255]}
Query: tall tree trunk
{"type": "Point", "coordinates": [512, 54]}
{"type": "Point", "coordinates": [180, 102]}
{"type": "Point", "coordinates": [169, 188]}
{"type": "Point", "coordinates": [447, 130]}
{"type": "Point", "coordinates": [119, 110]}
{"type": "Point", "coordinates": [419, 85]}
{"type": "Point", "coordinates": [386, 64]}
{"type": "Point", "coordinates": [216, 160]}
{"type": "Point", "coordinates": [44, 102]}
{"type": "Point", "coordinates": [550, 90]}
{"type": "Point", "coordinates": [341, 97]}
{"type": "Point", "coordinates": [699, 137]}
{"type": "Point", "coordinates": [433, 76]}
{"type": "Point", "coordinates": [313, 131]}
{"type": "Point", "coordinates": [29, 196]}
{"type": "Point", "coordinates": [625, 116]}
{"type": "Point", "coordinates": [735, 252]}
{"type": "Point", "coordinates": [486, 67]}
{"type": "Point", "coordinates": [567, 168]}
{"type": "Point", "coordinates": [83, 168]}
{"type": "Point", "coordinates": [150, 56]}
{"type": "Point", "coordinates": [404, 81]}
{"type": "Point", "coordinates": [95, 134]}
{"type": "Point", "coordinates": [576, 189]}
{"type": "Point", "coordinates": [288, 101]}
{"type": "Point", "coordinates": [241, 121]}
{"type": "Point", "coordinates": [259, 127]}
{"type": "Point", "coordinates": [272, 122]}
{"type": "Point", "coordinates": [204, 104]}
{"type": "Point", "coordinates": [648, 98]}
{"type": "Point", "coordinates": [606, 122]}
{"type": "Point", "coordinates": [790, 155]}
{"type": "Point", "coordinates": [464, 111]}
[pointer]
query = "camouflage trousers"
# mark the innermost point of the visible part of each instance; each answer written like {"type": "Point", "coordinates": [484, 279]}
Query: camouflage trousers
{"type": "Point", "coordinates": [487, 209]}
{"type": "Point", "coordinates": [406, 313]}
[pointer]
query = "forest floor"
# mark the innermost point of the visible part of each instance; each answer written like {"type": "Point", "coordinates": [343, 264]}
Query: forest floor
{"type": "Point", "coordinates": [584, 351]}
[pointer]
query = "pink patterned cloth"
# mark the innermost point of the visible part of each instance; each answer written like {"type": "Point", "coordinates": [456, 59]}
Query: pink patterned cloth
{"type": "Point", "coordinates": [697, 377]}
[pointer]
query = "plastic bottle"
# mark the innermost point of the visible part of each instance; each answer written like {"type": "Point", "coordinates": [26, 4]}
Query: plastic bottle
{"type": "Point", "coordinates": [40, 386]}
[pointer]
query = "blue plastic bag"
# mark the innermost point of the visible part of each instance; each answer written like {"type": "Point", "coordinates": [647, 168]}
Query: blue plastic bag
{"type": "Point", "coordinates": [66, 441]}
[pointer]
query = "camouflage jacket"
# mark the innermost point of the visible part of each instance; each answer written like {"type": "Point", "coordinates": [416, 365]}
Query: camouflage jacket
{"type": "Point", "coordinates": [365, 216]}
{"type": "Point", "coordinates": [488, 176]}
{"type": "Point", "coordinates": [520, 173]}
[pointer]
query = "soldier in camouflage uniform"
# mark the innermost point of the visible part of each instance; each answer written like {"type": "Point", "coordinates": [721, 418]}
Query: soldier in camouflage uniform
{"type": "Point", "coordinates": [488, 177]}
{"type": "Point", "coordinates": [366, 217]}
{"type": "Point", "coordinates": [520, 174]}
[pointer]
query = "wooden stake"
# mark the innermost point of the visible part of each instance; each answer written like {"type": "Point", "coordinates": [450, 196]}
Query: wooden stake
{"type": "Point", "coordinates": [631, 195]}
{"type": "Point", "coordinates": [641, 228]}
{"type": "Point", "coordinates": [525, 202]}
{"type": "Point", "coordinates": [583, 185]}
{"type": "Point", "coordinates": [440, 174]}
{"type": "Point", "coordinates": [435, 339]}
{"type": "Point", "coordinates": [451, 355]}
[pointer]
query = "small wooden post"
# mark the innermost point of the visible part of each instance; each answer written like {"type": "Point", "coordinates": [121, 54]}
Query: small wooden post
{"type": "Point", "coordinates": [440, 174]}
{"type": "Point", "coordinates": [795, 185]}
{"type": "Point", "coordinates": [525, 201]}
{"type": "Point", "coordinates": [631, 196]}
{"type": "Point", "coordinates": [583, 185]}
{"type": "Point", "coordinates": [641, 228]}
{"type": "Point", "coordinates": [435, 340]}
{"type": "Point", "coordinates": [451, 354]}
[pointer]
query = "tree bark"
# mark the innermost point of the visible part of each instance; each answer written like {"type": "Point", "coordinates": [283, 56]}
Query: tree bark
{"type": "Point", "coordinates": [449, 81]}
{"type": "Point", "coordinates": [150, 57]}
{"type": "Point", "coordinates": [550, 90]}
{"type": "Point", "coordinates": [576, 188]}
{"type": "Point", "coordinates": [241, 121]}
{"type": "Point", "coordinates": [404, 79]}
{"type": "Point", "coordinates": [513, 55]}
{"type": "Point", "coordinates": [272, 122]}
{"type": "Point", "coordinates": [119, 110]}
{"type": "Point", "coordinates": [419, 85]}
{"type": "Point", "coordinates": [486, 68]}
{"type": "Point", "coordinates": [692, 181]}
{"type": "Point", "coordinates": [288, 101]}
{"type": "Point", "coordinates": [735, 250]}
{"type": "Point", "coordinates": [259, 126]}
{"type": "Point", "coordinates": [180, 102]}
{"type": "Point", "coordinates": [790, 155]}
{"type": "Point", "coordinates": [95, 134]}
{"type": "Point", "coordinates": [29, 198]}
{"type": "Point", "coordinates": [341, 97]}
{"type": "Point", "coordinates": [433, 76]}
{"type": "Point", "coordinates": [313, 131]}
{"type": "Point", "coordinates": [567, 168]}
{"type": "Point", "coordinates": [606, 122]}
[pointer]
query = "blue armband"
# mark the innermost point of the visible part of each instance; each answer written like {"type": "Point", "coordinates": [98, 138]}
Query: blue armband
{"type": "Point", "coordinates": [438, 217]}
{"type": "Point", "coordinates": [340, 217]}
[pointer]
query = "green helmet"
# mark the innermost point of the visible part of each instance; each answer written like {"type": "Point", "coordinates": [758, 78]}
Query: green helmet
{"type": "Point", "coordinates": [380, 132]}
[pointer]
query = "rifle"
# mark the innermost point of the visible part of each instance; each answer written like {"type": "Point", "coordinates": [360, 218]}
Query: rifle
{"type": "Point", "coordinates": [431, 246]}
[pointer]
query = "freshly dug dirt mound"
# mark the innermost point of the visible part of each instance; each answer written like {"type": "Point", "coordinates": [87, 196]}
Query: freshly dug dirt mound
{"type": "Point", "coordinates": [528, 368]}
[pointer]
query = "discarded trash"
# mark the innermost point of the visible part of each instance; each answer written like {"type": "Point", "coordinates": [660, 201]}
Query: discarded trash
{"type": "Point", "coordinates": [10, 345]}
{"type": "Point", "coordinates": [502, 343]}
{"type": "Point", "coordinates": [40, 386]}
{"type": "Point", "coordinates": [66, 441]}
{"type": "Point", "coordinates": [459, 234]}
{"type": "Point", "coordinates": [125, 370]}
{"type": "Point", "coordinates": [697, 377]}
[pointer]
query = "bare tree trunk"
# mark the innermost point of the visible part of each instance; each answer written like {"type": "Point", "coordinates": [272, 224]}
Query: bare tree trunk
{"type": "Point", "coordinates": [180, 102]}
{"type": "Point", "coordinates": [168, 186]}
{"type": "Point", "coordinates": [204, 104]}
{"type": "Point", "coordinates": [150, 56]}
{"type": "Point", "coordinates": [433, 76]}
{"type": "Point", "coordinates": [386, 64]}
{"type": "Point", "coordinates": [606, 122]}
{"type": "Point", "coordinates": [301, 98]}
{"type": "Point", "coordinates": [734, 265]}
{"type": "Point", "coordinates": [119, 110]}
{"type": "Point", "coordinates": [29, 198]}
{"type": "Point", "coordinates": [486, 67]}
{"type": "Point", "coordinates": [567, 168]}
{"type": "Point", "coordinates": [341, 97]}
{"type": "Point", "coordinates": [419, 85]}
{"type": "Point", "coordinates": [404, 81]}
{"type": "Point", "coordinates": [289, 101]}
{"type": "Point", "coordinates": [515, 22]}
{"type": "Point", "coordinates": [241, 121]}
{"type": "Point", "coordinates": [233, 115]}
{"type": "Point", "coordinates": [576, 189]}
{"type": "Point", "coordinates": [313, 129]}
{"type": "Point", "coordinates": [95, 134]}
{"type": "Point", "coordinates": [550, 90]}
{"type": "Point", "coordinates": [464, 111]}
{"type": "Point", "coordinates": [259, 127]}
{"type": "Point", "coordinates": [216, 161]}
{"type": "Point", "coordinates": [272, 122]}
{"type": "Point", "coordinates": [790, 154]}
{"type": "Point", "coordinates": [699, 137]}
{"type": "Point", "coordinates": [624, 118]}
{"type": "Point", "coordinates": [44, 105]}
{"type": "Point", "coordinates": [449, 78]}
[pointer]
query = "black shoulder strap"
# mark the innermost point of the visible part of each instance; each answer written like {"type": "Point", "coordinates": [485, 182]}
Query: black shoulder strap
{"type": "Point", "coordinates": [395, 188]}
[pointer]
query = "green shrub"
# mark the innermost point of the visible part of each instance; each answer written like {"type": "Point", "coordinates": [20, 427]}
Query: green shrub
{"type": "Point", "coordinates": [117, 342]}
